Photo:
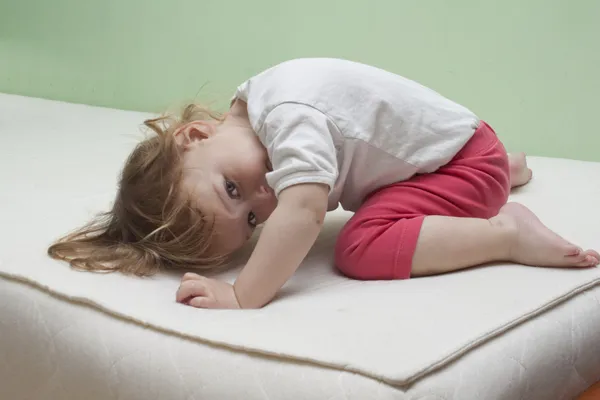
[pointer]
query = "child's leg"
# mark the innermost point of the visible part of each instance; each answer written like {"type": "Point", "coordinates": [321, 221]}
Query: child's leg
{"type": "Point", "coordinates": [515, 234]}
{"type": "Point", "coordinates": [520, 173]}
{"type": "Point", "coordinates": [449, 220]}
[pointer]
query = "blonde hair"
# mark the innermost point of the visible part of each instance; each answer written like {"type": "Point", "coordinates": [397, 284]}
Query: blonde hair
{"type": "Point", "coordinates": [151, 225]}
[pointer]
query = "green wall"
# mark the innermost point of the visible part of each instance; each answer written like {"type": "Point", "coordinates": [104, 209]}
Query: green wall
{"type": "Point", "coordinates": [529, 67]}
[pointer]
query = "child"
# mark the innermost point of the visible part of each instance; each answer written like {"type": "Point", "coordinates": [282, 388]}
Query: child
{"type": "Point", "coordinates": [428, 182]}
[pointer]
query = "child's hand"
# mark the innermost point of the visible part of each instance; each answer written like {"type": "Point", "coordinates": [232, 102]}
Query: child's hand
{"type": "Point", "coordinates": [198, 291]}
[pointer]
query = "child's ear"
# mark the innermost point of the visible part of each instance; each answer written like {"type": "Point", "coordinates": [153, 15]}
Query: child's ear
{"type": "Point", "coordinates": [193, 132]}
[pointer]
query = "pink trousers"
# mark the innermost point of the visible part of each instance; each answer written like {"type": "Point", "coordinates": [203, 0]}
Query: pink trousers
{"type": "Point", "coordinates": [379, 241]}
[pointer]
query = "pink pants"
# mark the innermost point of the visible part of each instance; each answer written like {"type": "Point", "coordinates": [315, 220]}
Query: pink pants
{"type": "Point", "coordinates": [379, 241]}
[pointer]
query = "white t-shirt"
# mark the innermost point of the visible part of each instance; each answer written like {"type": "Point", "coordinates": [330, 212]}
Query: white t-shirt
{"type": "Point", "coordinates": [351, 126]}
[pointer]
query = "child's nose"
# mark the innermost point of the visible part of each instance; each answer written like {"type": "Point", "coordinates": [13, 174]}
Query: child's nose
{"type": "Point", "coordinates": [263, 201]}
{"type": "Point", "coordinates": [266, 189]}
{"type": "Point", "coordinates": [263, 192]}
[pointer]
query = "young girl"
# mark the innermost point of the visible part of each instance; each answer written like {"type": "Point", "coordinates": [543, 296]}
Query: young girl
{"type": "Point", "coordinates": [428, 182]}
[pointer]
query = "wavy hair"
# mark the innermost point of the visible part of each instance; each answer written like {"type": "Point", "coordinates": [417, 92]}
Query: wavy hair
{"type": "Point", "coordinates": [151, 225]}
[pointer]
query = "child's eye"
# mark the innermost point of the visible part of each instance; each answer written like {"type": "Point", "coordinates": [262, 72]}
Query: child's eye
{"type": "Point", "coordinates": [232, 189]}
{"type": "Point", "coordinates": [252, 219]}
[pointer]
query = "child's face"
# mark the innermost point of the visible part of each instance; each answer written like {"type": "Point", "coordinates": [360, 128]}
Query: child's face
{"type": "Point", "coordinates": [224, 173]}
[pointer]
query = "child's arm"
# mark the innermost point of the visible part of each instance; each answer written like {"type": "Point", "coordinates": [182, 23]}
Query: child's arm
{"type": "Point", "coordinates": [300, 145]}
{"type": "Point", "coordinates": [285, 240]}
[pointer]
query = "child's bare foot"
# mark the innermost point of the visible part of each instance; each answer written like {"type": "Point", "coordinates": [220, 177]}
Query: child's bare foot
{"type": "Point", "coordinates": [535, 244]}
{"type": "Point", "coordinates": [520, 173]}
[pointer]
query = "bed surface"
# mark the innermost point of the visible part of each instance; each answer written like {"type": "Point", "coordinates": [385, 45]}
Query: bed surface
{"type": "Point", "coordinates": [506, 331]}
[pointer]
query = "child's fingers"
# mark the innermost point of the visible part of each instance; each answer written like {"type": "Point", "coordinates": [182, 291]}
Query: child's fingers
{"type": "Point", "coordinates": [190, 276]}
{"type": "Point", "coordinates": [201, 302]}
{"type": "Point", "coordinates": [189, 289]}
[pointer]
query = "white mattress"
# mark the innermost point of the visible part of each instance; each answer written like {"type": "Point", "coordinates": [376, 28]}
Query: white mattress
{"type": "Point", "coordinates": [500, 332]}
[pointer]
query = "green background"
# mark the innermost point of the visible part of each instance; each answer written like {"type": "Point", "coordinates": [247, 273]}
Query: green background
{"type": "Point", "coordinates": [531, 68]}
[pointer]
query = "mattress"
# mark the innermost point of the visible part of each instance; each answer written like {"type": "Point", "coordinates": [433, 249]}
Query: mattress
{"type": "Point", "coordinates": [497, 332]}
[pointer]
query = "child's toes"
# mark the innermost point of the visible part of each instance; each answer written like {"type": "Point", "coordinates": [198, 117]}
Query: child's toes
{"type": "Point", "coordinates": [588, 261]}
{"type": "Point", "coordinates": [594, 254]}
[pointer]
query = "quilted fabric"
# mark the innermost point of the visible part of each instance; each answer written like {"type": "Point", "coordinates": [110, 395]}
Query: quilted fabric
{"type": "Point", "coordinates": [407, 334]}
{"type": "Point", "coordinates": [56, 350]}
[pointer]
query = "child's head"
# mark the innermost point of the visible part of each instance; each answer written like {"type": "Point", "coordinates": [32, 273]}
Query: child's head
{"type": "Point", "coordinates": [187, 197]}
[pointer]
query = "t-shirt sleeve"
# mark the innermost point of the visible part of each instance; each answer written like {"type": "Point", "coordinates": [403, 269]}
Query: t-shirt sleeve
{"type": "Point", "coordinates": [300, 145]}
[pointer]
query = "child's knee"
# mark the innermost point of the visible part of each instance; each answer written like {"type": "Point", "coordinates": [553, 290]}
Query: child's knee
{"type": "Point", "coordinates": [349, 264]}
{"type": "Point", "coordinates": [347, 256]}
{"type": "Point", "coordinates": [357, 256]}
